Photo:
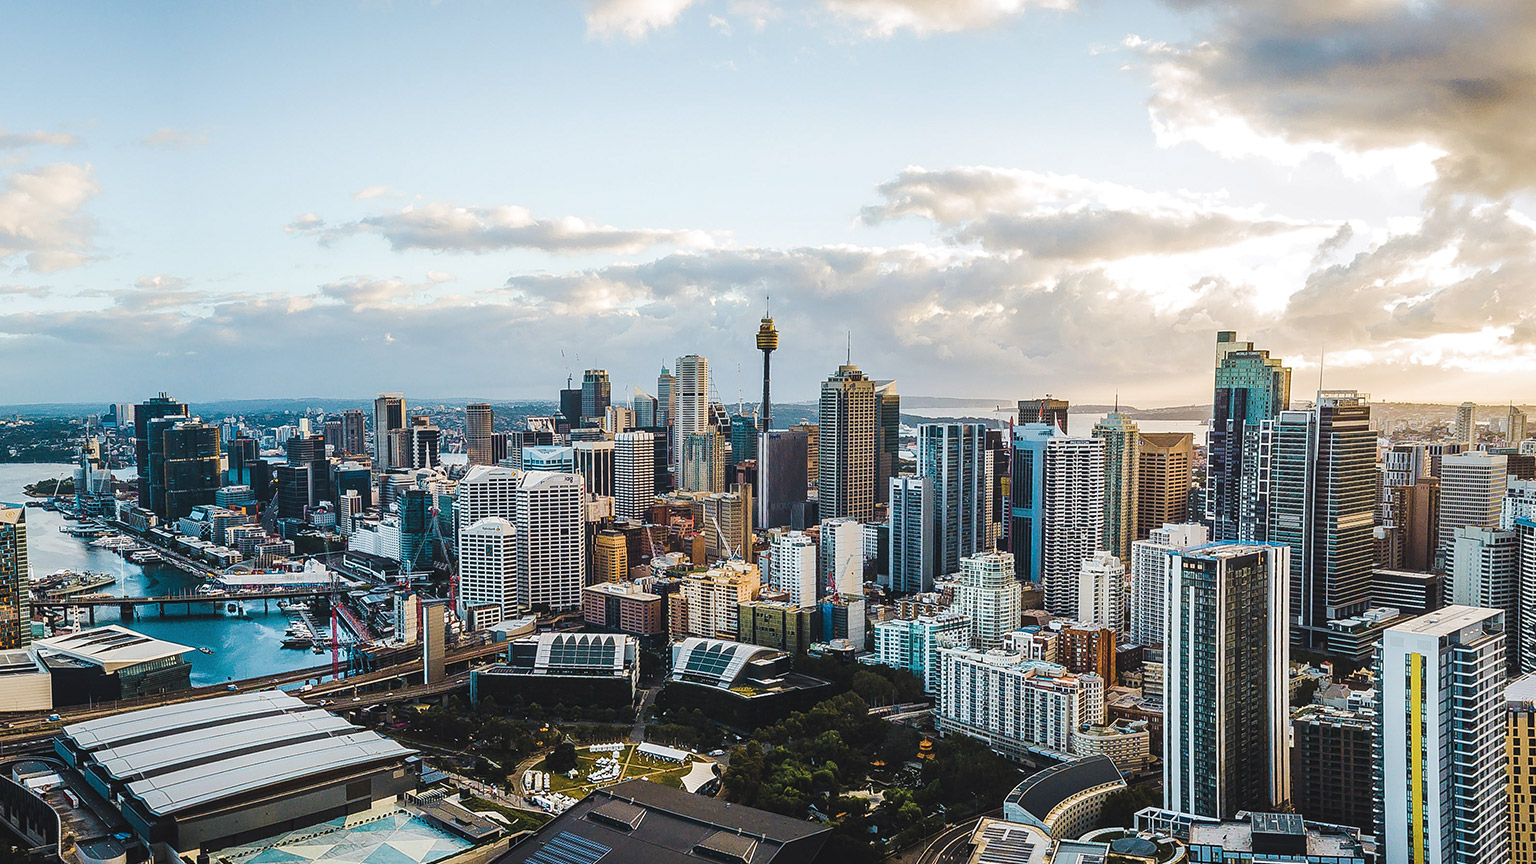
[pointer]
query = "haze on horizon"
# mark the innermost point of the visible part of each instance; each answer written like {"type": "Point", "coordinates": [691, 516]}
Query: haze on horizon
{"type": "Point", "coordinates": [993, 196]}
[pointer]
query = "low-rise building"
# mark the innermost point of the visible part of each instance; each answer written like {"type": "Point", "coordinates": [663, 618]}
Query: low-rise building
{"type": "Point", "coordinates": [573, 668]}
{"type": "Point", "coordinates": [1269, 837]}
{"type": "Point", "coordinates": [1127, 742]}
{"type": "Point", "coordinates": [104, 664]}
{"type": "Point", "coordinates": [1065, 800]}
{"type": "Point", "coordinates": [779, 624]}
{"type": "Point", "coordinates": [624, 607]}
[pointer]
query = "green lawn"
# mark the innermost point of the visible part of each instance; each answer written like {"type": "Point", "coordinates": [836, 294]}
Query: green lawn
{"type": "Point", "coordinates": [520, 819]}
{"type": "Point", "coordinates": [635, 766]}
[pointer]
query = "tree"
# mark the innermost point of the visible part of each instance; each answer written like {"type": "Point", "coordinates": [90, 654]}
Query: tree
{"type": "Point", "coordinates": [1120, 808]}
{"type": "Point", "coordinates": [562, 758]}
{"type": "Point", "coordinates": [873, 689]}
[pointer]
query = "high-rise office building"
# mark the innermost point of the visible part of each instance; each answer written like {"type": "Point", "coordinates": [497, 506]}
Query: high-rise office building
{"type": "Point", "coordinates": [634, 474]}
{"type": "Point", "coordinates": [1515, 423]}
{"type": "Point", "coordinates": [1464, 430]}
{"type": "Point", "coordinates": [354, 435]}
{"type": "Point", "coordinates": [745, 434]}
{"type": "Point", "coordinates": [1485, 572]}
{"type": "Point", "coordinates": [954, 457]}
{"type": "Point", "coordinates": [887, 437]}
{"type": "Point", "coordinates": [989, 595]}
{"type": "Point", "coordinates": [1048, 410]}
{"type": "Point", "coordinates": [1101, 591]}
{"type": "Point", "coordinates": [478, 422]}
{"type": "Point", "coordinates": [1151, 573]}
{"type": "Point", "coordinates": [596, 396]}
{"type": "Point", "coordinates": [595, 462]}
{"type": "Point", "coordinates": [792, 567]}
{"type": "Point", "coordinates": [1165, 469]}
{"type": "Point", "coordinates": [1251, 388]}
{"type": "Point", "coordinates": [703, 461]}
{"type": "Point", "coordinates": [647, 412]}
{"type": "Point", "coordinates": [725, 519]}
{"type": "Point", "coordinates": [666, 398]}
{"type": "Point", "coordinates": [1226, 681]}
{"type": "Point", "coordinates": [488, 568]}
{"type": "Point", "coordinates": [191, 466]}
{"type": "Point", "coordinates": [388, 415]}
{"type": "Point", "coordinates": [331, 432]}
{"type": "Point", "coordinates": [913, 556]}
{"type": "Point", "coordinates": [781, 476]}
{"type": "Point", "coordinates": [1322, 502]}
{"type": "Point", "coordinates": [1122, 476]}
{"type": "Point", "coordinates": [551, 540]}
{"type": "Point", "coordinates": [1058, 509]}
{"type": "Point", "coordinates": [841, 556]}
{"type": "Point", "coordinates": [570, 406]}
{"type": "Point", "coordinates": [148, 448]}
{"type": "Point", "coordinates": [1520, 723]}
{"type": "Point", "coordinates": [610, 558]}
{"type": "Point", "coordinates": [15, 580]}
{"type": "Point", "coordinates": [483, 492]}
{"type": "Point", "coordinates": [1333, 765]}
{"type": "Point", "coordinates": [1442, 790]}
{"type": "Point", "coordinates": [690, 404]}
{"type": "Point", "coordinates": [349, 506]}
{"type": "Point", "coordinates": [846, 430]}
{"type": "Point", "coordinates": [1472, 489]}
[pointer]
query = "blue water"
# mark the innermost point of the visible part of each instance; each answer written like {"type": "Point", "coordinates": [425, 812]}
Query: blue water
{"type": "Point", "coordinates": [242, 648]}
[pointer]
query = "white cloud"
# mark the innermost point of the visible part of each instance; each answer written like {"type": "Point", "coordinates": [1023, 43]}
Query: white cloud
{"type": "Point", "coordinates": [167, 138]}
{"type": "Point", "coordinates": [377, 192]}
{"type": "Point", "coordinates": [884, 18]}
{"type": "Point", "coordinates": [39, 138]}
{"type": "Point", "coordinates": [632, 18]}
{"type": "Point", "coordinates": [42, 218]}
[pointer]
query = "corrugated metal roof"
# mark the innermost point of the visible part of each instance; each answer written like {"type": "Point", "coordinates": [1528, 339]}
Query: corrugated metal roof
{"type": "Point", "coordinates": [171, 719]}
{"type": "Point", "coordinates": [111, 647]}
{"type": "Point", "coordinates": [182, 790]}
{"type": "Point", "coordinates": [140, 759]}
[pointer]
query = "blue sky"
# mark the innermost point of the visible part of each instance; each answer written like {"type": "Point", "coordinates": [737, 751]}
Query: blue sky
{"type": "Point", "coordinates": [996, 197]}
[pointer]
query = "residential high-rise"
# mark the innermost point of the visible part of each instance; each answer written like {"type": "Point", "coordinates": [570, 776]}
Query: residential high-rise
{"type": "Point", "coordinates": [887, 437]}
{"type": "Point", "coordinates": [354, 435]}
{"type": "Point", "coordinates": [1441, 788]}
{"type": "Point", "coordinates": [955, 458]}
{"type": "Point", "coordinates": [1165, 470]}
{"type": "Point", "coordinates": [1472, 489]}
{"type": "Point", "coordinates": [725, 519]}
{"type": "Point", "coordinates": [767, 342]}
{"type": "Point", "coordinates": [703, 461]}
{"type": "Point", "coordinates": [1122, 475]}
{"type": "Point", "coordinates": [913, 556]}
{"type": "Point", "coordinates": [913, 644]}
{"type": "Point", "coordinates": [1015, 705]}
{"type": "Point", "coordinates": [551, 542]}
{"type": "Point", "coordinates": [148, 448]}
{"type": "Point", "coordinates": [1322, 502]}
{"type": "Point", "coordinates": [1520, 714]}
{"type": "Point", "coordinates": [1048, 409]}
{"type": "Point", "coordinates": [596, 395]}
{"type": "Point", "coordinates": [781, 476]}
{"type": "Point", "coordinates": [15, 580]}
{"type": "Point", "coordinates": [989, 595]}
{"type": "Point", "coordinates": [488, 567]}
{"type": "Point", "coordinates": [634, 474]}
{"type": "Point", "coordinates": [388, 415]}
{"type": "Point", "coordinates": [1151, 572]}
{"type": "Point", "coordinates": [846, 450]}
{"type": "Point", "coordinates": [792, 558]}
{"type": "Point", "coordinates": [1251, 389]}
{"type": "Point", "coordinates": [1101, 590]}
{"type": "Point", "coordinates": [708, 604]}
{"type": "Point", "coordinates": [1485, 572]}
{"type": "Point", "coordinates": [1226, 681]}
{"type": "Point", "coordinates": [690, 404]}
{"type": "Point", "coordinates": [478, 422]}
{"type": "Point", "coordinates": [191, 467]}
{"type": "Point", "coordinates": [1058, 509]}
{"type": "Point", "coordinates": [841, 556]}
{"type": "Point", "coordinates": [1464, 432]}
{"type": "Point", "coordinates": [1333, 765]}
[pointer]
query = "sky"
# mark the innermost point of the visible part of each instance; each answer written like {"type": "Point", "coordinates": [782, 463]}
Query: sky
{"type": "Point", "coordinates": [978, 198]}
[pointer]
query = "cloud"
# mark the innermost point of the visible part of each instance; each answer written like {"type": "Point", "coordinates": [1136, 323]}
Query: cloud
{"type": "Point", "coordinates": [1054, 216]}
{"type": "Point", "coordinates": [884, 18]}
{"type": "Point", "coordinates": [36, 291]}
{"type": "Point", "coordinates": [42, 218]}
{"type": "Point", "coordinates": [377, 192]}
{"type": "Point", "coordinates": [632, 18]}
{"type": "Point", "coordinates": [166, 138]}
{"type": "Point", "coordinates": [37, 138]}
{"type": "Point", "coordinates": [1372, 84]}
{"type": "Point", "coordinates": [448, 228]}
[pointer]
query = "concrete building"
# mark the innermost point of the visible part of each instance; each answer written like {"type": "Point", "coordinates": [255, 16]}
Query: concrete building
{"type": "Point", "coordinates": [105, 664]}
{"type": "Point", "coordinates": [841, 556]}
{"type": "Point", "coordinates": [1472, 490]}
{"type": "Point", "coordinates": [610, 557]}
{"type": "Point", "coordinates": [1015, 706]}
{"type": "Point", "coordinates": [1485, 572]}
{"type": "Point", "coordinates": [689, 400]}
{"type": "Point", "coordinates": [488, 567]}
{"type": "Point", "coordinates": [988, 595]}
{"type": "Point", "coordinates": [1101, 591]}
{"type": "Point", "coordinates": [782, 474]}
{"type": "Point", "coordinates": [596, 395]}
{"type": "Point", "coordinates": [576, 668]}
{"type": "Point", "coordinates": [1151, 560]}
{"type": "Point", "coordinates": [1442, 779]}
{"type": "Point", "coordinates": [594, 461]}
{"type": "Point", "coordinates": [1464, 429]}
{"type": "Point", "coordinates": [634, 474]}
{"type": "Point", "coordinates": [1065, 801]}
{"type": "Point", "coordinates": [779, 625]}
{"type": "Point", "coordinates": [479, 424]}
{"type": "Point", "coordinates": [703, 461]}
{"type": "Point", "coordinates": [792, 567]}
{"type": "Point", "coordinates": [913, 556]}
{"type": "Point", "coordinates": [913, 644]}
{"type": "Point", "coordinates": [1269, 837]}
{"type": "Point", "coordinates": [1226, 687]}
{"type": "Point", "coordinates": [1058, 509]}
{"type": "Point", "coordinates": [1332, 760]}
{"type": "Point", "coordinates": [15, 579]}
{"type": "Point", "coordinates": [551, 540]}
{"type": "Point", "coordinates": [846, 458]}
{"type": "Point", "coordinates": [706, 604]}
{"type": "Point", "coordinates": [1128, 743]}
{"type": "Point", "coordinates": [625, 607]}
{"type": "Point", "coordinates": [485, 491]}
{"type": "Point", "coordinates": [1048, 410]}
{"type": "Point", "coordinates": [1122, 481]}
{"type": "Point", "coordinates": [388, 416]}
{"type": "Point", "coordinates": [1520, 735]}
{"type": "Point", "coordinates": [1165, 470]}
{"type": "Point", "coordinates": [725, 521]}
{"type": "Point", "coordinates": [1252, 389]}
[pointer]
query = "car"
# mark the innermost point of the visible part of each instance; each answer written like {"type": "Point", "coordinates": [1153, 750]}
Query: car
{"type": "Point", "coordinates": [717, 752]}
{"type": "Point", "coordinates": [231, 688]}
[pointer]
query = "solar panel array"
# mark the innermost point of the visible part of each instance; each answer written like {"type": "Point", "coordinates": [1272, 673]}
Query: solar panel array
{"type": "Point", "coordinates": [568, 848]}
{"type": "Point", "coordinates": [1006, 844]}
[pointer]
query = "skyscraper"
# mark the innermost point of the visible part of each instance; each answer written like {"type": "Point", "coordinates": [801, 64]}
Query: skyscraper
{"type": "Point", "coordinates": [1514, 427]}
{"type": "Point", "coordinates": [551, 540]}
{"type": "Point", "coordinates": [954, 456]}
{"type": "Point", "coordinates": [1048, 410]}
{"type": "Point", "coordinates": [148, 448]}
{"type": "Point", "coordinates": [792, 560]}
{"type": "Point", "coordinates": [416, 445]}
{"type": "Point", "coordinates": [191, 467]}
{"type": "Point", "coordinates": [1322, 500]}
{"type": "Point", "coordinates": [1058, 509]}
{"type": "Point", "coordinates": [703, 461]}
{"type": "Point", "coordinates": [15, 581]}
{"type": "Point", "coordinates": [913, 558]}
{"type": "Point", "coordinates": [846, 449]}
{"type": "Point", "coordinates": [388, 415]}
{"type": "Point", "coordinates": [594, 461]}
{"type": "Point", "coordinates": [485, 491]}
{"type": "Point", "coordinates": [989, 595]}
{"type": "Point", "coordinates": [781, 476]}
{"type": "Point", "coordinates": [1464, 431]}
{"type": "Point", "coordinates": [1472, 489]}
{"type": "Point", "coordinates": [1441, 793]}
{"type": "Point", "coordinates": [479, 421]}
{"type": "Point", "coordinates": [767, 342]}
{"type": "Point", "coordinates": [488, 569]}
{"type": "Point", "coordinates": [634, 475]}
{"type": "Point", "coordinates": [1101, 591]}
{"type": "Point", "coordinates": [1485, 572]}
{"type": "Point", "coordinates": [690, 404]}
{"type": "Point", "coordinates": [1151, 560]}
{"type": "Point", "coordinates": [887, 437]}
{"type": "Point", "coordinates": [1226, 681]}
{"type": "Point", "coordinates": [596, 396]}
{"type": "Point", "coordinates": [1251, 388]}
{"type": "Point", "coordinates": [666, 398]}
{"type": "Point", "coordinates": [1166, 463]}
{"type": "Point", "coordinates": [1520, 711]}
{"type": "Point", "coordinates": [1122, 475]}
{"type": "Point", "coordinates": [841, 555]}
{"type": "Point", "coordinates": [354, 437]}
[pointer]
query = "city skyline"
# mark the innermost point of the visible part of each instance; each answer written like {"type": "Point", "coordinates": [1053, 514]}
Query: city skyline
{"type": "Point", "coordinates": [171, 198]}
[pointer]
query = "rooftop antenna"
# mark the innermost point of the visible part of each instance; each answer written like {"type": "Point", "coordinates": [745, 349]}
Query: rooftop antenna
{"type": "Point", "coordinates": [850, 347]}
{"type": "Point", "coordinates": [1322, 361]}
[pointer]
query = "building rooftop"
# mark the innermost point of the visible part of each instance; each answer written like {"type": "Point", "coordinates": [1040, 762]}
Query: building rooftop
{"type": "Point", "coordinates": [111, 647]}
{"type": "Point", "coordinates": [1041, 793]}
{"type": "Point", "coordinates": [1321, 842]}
{"type": "Point", "coordinates": [995, 841]}
{"type": "Point", "coordinates": [1445, 621]}
{"type": "Point", "coordinates": [1521, 691]}
{"type": "Point", "coordinates": [640, 822]}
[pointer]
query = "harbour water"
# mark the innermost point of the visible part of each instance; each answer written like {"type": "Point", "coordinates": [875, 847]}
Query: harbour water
{"type": "Point", "coordinates": [242, 647]}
